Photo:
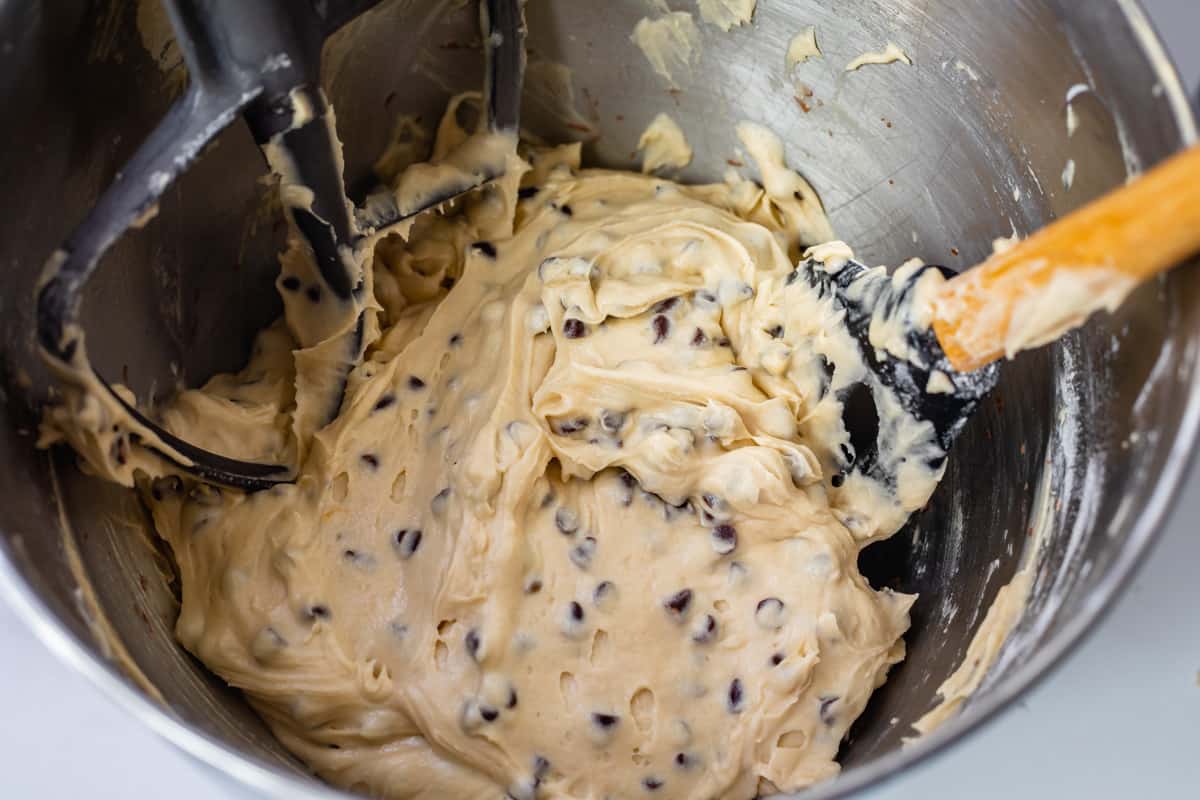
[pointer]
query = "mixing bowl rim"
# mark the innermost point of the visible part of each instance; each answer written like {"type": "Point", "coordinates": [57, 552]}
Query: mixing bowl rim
{"type": "Point", "coordinates": [274, 781]}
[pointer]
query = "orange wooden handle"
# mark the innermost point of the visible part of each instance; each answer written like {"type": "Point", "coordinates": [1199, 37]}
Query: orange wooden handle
{"type": "Point", "coordinates": [1088, 260]}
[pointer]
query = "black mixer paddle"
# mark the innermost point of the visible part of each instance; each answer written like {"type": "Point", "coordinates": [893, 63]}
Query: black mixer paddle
{"type": "Point", "coordinates": [261, 59]}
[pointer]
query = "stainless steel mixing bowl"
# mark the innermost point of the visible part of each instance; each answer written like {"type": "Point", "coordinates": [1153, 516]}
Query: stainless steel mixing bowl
{"type": "Point", "coordinates": [1079, 450]}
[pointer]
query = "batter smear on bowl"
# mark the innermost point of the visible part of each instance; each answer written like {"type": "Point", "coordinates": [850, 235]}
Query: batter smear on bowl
{"type": "Point", "coordinates": [587, 520]}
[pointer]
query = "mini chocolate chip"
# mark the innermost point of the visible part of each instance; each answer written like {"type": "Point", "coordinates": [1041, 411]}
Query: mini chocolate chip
{"type": "Point", "coordinates": [605, 721]}
{"type": "Point", "coordinates": [455, 339]}
{"type": "Point", "coordinates": [512, 698]}
{"type": "Point", "coordinates": [406, 542]}
{"type": "Point", "coordinates": [526, 192]}
{"type": "Point", "coordinates": [486, 248]}
{"type": "Point", "coordinates": [566, 209]}
{"type": "Point", "coordinates": [447, 282]}
{"type": "Point", "coordinates": [724, 539]}
{"type": "Point", "coordinates": [318, 611]}
{"type": "Point", "coordinates": [488, 713]}
{"type": "Point", "coordinates": [724, 342]}
{"type": "Point", "coordinates": [438, 504]}
{"type": "Point", "coordinates": [371, 460]}
{"type": "Point", "coordinates": [652, 783]}
{"type": "Point", "coordinates": [603, 589]}
{"type": "Point", "coordinates": [735, 696]}
{"type": "Point", "coordinates": [576, 611]}
{"type": "Point", "coordinates": [677, 604]}
{"type": "Point", "coordinates": [706, 631]}
{"type": "Point", "coordinates": [415, 383]}
{"type": "Point", "coordinates": [663, 306]}
{"type": "Point", "coordinates": [628, 479]}
{"type": "Point", "coordinates": [540, 767]}
{"type": "Point", "coordinates": [533, 587]}
{"type": "Point", "coordinates": [567, 427]}
{"type": "Point", "coordinates": [566, 520]}
{"type": "Point", "coordinates": [769, 613]}
{"type": "Point", "coordinates": [612, 421]}
{"type": "Point", "coordinates": [360, 560]}
{"type": "Point", "coordinates": [792, 277]}
{"type": "Point", "coordinates": [699, 338]}
{"type": "Point", "coordinates": [291, 283]}
{"type": "Point", "coordinates": [471, 642]}
{"type": "Point", "coordinates": [776, 659]}
{"type": "Point", "coordinates": [385, 401]}
{"type": "Point", "coordinates": [682, 760]}
{"type": "Point", "coordinates": [574, 328]}
{"type": "Point", "coordinates": [837, 480]}
{"type": "Point", "coordinates": [775, 331]}
{"type": "Point", "coordinates": [313, 293]}
{"type": "Point", "coordinates": [581, 554]}
{"type": "Point", "coordinates": [662, 328]}
{"type": "Point", "coordinates": [823, 710]}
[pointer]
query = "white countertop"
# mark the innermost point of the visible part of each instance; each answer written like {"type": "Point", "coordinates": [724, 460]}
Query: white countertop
{"type": "Point", "coordinates": [1120, 718]}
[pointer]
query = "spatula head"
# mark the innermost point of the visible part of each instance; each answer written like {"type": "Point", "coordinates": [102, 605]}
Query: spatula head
{"type": "Point", "coordinates": [904, 364]}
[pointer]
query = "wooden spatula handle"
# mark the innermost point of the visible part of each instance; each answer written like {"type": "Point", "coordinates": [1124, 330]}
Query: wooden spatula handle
{"type": "Point", "coordinates": [1091, 259]}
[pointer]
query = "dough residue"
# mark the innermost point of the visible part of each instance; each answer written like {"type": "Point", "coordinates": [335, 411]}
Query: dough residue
{"type": "Point", "coordinates": [663, 145]}
{"type": "Point", "coordinates": [889, 55]}
{"type": "Point", "coordinates": [670, 42]}
{"type": "Point", "coordinates": [802, 47]}
{"type": "Point", "coordinates": [727, 14]}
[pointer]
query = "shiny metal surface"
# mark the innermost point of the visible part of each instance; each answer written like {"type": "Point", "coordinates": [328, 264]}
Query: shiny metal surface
{"type": "Point", "coordinates": [910, 161]}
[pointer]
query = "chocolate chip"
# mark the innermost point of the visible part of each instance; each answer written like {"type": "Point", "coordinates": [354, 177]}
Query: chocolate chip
{"type": "Point", "coordinates": [581, 555]}
{"type": "Point", "coordinates": [566, 209]}
{"type": "Point", "coordinates": [792, 277]}
{"type": "Point", "coordinates": [512, 698]}
{"type": "Point", "coordinates": [471, 642]}
{"type": "Point", "coordinates": [574, 328]}
{"type": "Point", "coordinates": [566, 520]}
{"type": "Point", "coordinates": [724, 539]}
{"type": "Point", "coordinates": [526, 192]}
{"type": "Point", "coordinates": [360, 560]}
{"type": "Point", "coordinates": [313, 293]}
{"type": "Point", "coordinates": [488, 713]}
{"type": "Point", "coordinates": [540, 767]}
{"type": "Point", "coordinates": [415, 383]}
{"type": "Point", "coordinates": [677, 604]}
{"type": "Point", "coordinates": [456, 339]}
{"type": "Point", "coordinates": [769, 613]}
{"type": "Point", "coordinates": [605, 721]}
{"type": "Point", "coordinates": [627, 479]}
{"type": "Point", "coordinates": [652, 783]}
{"type": "Point", "coordinates": [371, 460]}
{"type": "Point", "coordinates": [706, 631]}
{"type": "Point", "coordinates": [447, 282]}
{"type": "Point", "coordinates": [824, 709]}
{"type": "Point", "coordinates": [837, 480]}
{"type": "Point", "coordinates": [683, 760]}
{"type": "Point", "coordinates": [291, 283]}
{"type": "Point", "coordinates": [775, 331]}
{"type": "Point", "coordinates": [734, 698]}
{"type": "Point", "coordinates": [663, 306]}
{"type": "Point", "coordinates": [662, 328]}
{"type": "Point", "coordinates": [486, 248]}
{"type": "Point", "coordinates": [776, 659]}
{"type": "Point", "coordinates": [699, 338]}
{"type": "Point", "coordinates": [612, 421]}
{"type": "Point", "coordinates": [569, 427]}
{"type": "Point", "coordinates": [388, 399]}
{"type": "Point", "coordinates": [438, 504]}
{"type": "Point", "coordinates": [406, 542]}
{"type": "Point", "coordinates": [576, 611]}
{"type": "Point", "coordinates": [534, 586]}
{"type": "Point", "coordinates": [603, 590]}
{"type": "Point", "coordinates": [318, 611]}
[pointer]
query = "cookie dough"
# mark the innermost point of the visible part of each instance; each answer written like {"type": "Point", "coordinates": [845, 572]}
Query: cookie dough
{"type": "Point", "coordinates": [582, 524]}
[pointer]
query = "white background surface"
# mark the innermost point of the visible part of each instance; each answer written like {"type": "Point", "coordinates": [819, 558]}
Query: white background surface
{"type": "Point", "coordinates": [1120, 719]}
